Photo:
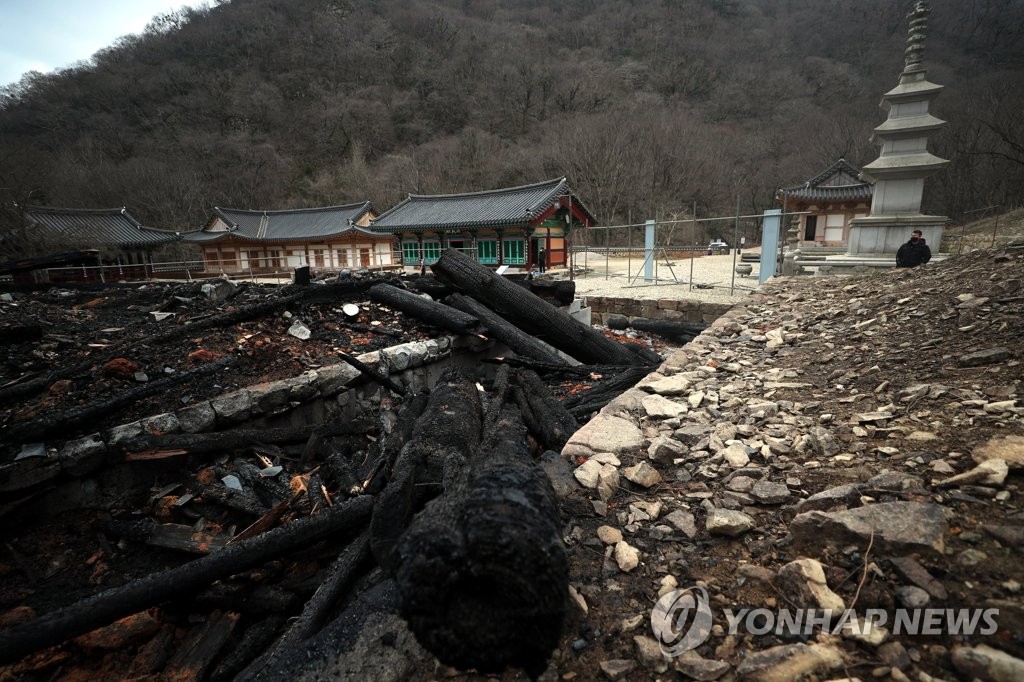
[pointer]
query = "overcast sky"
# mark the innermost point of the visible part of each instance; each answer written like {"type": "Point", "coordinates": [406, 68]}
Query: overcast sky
{"type": "Point", "coordinates": [45, 35]}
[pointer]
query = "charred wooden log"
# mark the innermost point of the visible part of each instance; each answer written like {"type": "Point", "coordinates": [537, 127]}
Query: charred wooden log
{"type": "Point", "coordinates": [402, 431]}
{"type": "Point", "coordinates": [449, 428]}
{"type": "Point", "coordinates": [238, 439]}
{"type": "Point", "coordinates": [427, 284]}
{"type": "Point", "coordinates": [105, 607]}
{"type": "Point", "coordinates": [318, 608]}
{"type": "Point", "coordinates": [502, 330]}
{"type": "Point", "coordinates": [482, 571]}
{"type": "Point", "coordinates": [646, 355]}
{"type": "Point", "coordinates": [582, 404]}
{"type": "Point", "coordinates": [500, 389]}
{"type": "Point", "coordinates": [674, 331]}
{"type": "Point", "coordinates": [545, 417]}
{"type": "Point", "coordinates": [421, 308]}
{"type": "Point", "coordinates": [254, 641]}
{"type": "Point", "coordinates": [19, 333]}
{"type": "Point", "coordinates": [200, 647]}
{"type": "Point", "coordinates": [532, 314]}
{"type": "Point", "coordinates": [238, 500]}
{"type": "Point", "coordinates": [563, 292]}
{"type": "Point", "coordinates": [168, 535]}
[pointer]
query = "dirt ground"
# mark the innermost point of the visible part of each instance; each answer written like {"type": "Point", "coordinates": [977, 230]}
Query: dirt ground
{"type": "Point", "coordinates": [922, 322]}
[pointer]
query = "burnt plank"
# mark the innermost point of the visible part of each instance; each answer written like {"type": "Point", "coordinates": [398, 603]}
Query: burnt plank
{"type": "Point", "coordinates": [427, 310]}
{"type": "Point", "coordinates": [546, 417]}
{"type": "Point", "coordinates": [502, 330]}
{"type": "Point", "coordinates": [529, 312]}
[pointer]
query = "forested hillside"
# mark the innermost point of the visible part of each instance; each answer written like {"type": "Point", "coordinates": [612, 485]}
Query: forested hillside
{"type": "Point", "coordinates": [647, 106]}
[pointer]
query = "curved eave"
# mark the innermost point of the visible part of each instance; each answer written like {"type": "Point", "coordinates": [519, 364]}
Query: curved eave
{"type": "Point", "coordinates": [913, 90]}
{"type": "Point", "coordinates": [907, 126]}
{"type": "Point", "coordinates": [208, 238]}
{"type": "Point", "coordinates": [834, 195]}
{"type": "Point", "coordinates": [448, 227]}
{"type": "Point", "coordinates": [904, 165]}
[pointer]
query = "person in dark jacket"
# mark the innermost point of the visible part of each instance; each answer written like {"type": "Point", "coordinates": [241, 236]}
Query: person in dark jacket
{"type": "Point", "coordinates": [915, 252]}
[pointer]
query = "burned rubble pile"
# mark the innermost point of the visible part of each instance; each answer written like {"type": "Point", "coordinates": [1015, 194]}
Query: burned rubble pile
{"type": "Point", "coordinates": [845, 444]}
{"type": "Point", "coordinates": [300, 529]}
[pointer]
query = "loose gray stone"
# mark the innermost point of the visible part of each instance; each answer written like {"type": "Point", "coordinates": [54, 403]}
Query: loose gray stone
{"type": "Point", "coordinates": [989, 472]}
{"type": "Point", "coordinates": [913, 571]}
{"type": "Point", "coordinates": [804, 582]}
{"type": "Point", "coordinates": [673, 385]}
{"type": "Point", "coordinates": [691, 434]}
{"type": "Point", "coordinates": [767, 492]}
{"type": "Point", "coordinates": [841, 496]}
{"type": "Point", "coordinates": [740, 484]}
{"type": "Point", "coordinates": [1007, 448]}
{"type": "Point", "coordinates": [789, 662]}
{"type": "Point", "coordinates": [659, 407]}
{"type": "Point", "coordinates": [912, 596]}
{"type": "Point", "coordinates": [895, 526]}
{"type": "Point", "coordinates": [643, 474]}
{"type": "Point", "coordinates": [1011, 536]}
{"type": "Point", "coordinates": [693, 666]}
{"type": "Point", "coordinates": [648, 651]}
{"type": "Point", "coordinates": [588, 473]}
{"type": "Point", "coordinates": [604, 434]}
{"type": "Point", "coordinates": [892, 481]}
{"type": "Point", "coordinates": [683, 521]}
{"type": "Point", "coordinates": [736, 455]}
{"type": "Point", "coordinates": [983, 662]}
{"type": "Point", "coordinates": [299, 330]}
{"type": "Point", "coordinates": [617, 668]}
{"type": "Point", "coordinates": [728, 522]}
{"type": "Point", "coordinates": [665, 450]}
{"type": "Point", "coordinates": [823, 442]}
{"type": "Point", "coordinates": [626, 556]}
{"type": "Point", "coordinates": [990, 356]}
{"type": "Point", "coordinates": [607, 482]}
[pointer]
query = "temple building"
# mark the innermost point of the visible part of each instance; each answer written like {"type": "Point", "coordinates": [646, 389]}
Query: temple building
{"type": "Point", "coordinates": [514, 226]}
{"type": "Point", "coordinates": [827, 203]}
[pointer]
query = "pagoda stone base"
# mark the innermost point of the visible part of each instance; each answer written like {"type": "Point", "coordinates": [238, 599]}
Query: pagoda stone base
{"type": "Point", "coordinates": [883, 235]}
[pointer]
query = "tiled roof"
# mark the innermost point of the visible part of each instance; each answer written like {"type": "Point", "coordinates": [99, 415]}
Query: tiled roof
{"type": "Point", "coordinates": [288, 225]}
{"type": "Point", "coordinates": [838, 182]}
{"type": "Point", "coordinates": [95, 227]}
{"type": "Point", "coordinates": [493, 208]}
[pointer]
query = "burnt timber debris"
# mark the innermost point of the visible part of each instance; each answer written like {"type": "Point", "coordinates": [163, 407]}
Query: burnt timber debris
{"type": "Point", "coordinates": [424, 504]}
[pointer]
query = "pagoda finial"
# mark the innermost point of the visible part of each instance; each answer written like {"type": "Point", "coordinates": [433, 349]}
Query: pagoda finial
{"type": "Point", "coordinates": [915, 39]}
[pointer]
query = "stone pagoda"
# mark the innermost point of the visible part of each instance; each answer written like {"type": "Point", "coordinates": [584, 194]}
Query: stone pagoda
{"type": "Point", "coordinates": [904, 163]}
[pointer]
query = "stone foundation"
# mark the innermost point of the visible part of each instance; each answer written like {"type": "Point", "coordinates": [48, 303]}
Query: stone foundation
{"type": "Point", "coordinates": [674, 310]}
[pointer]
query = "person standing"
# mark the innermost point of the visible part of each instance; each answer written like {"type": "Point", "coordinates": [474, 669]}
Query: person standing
{"type": "Point", "coordinates": [913, 253]}
{"type": "Point", "coordinates": [541, 258]}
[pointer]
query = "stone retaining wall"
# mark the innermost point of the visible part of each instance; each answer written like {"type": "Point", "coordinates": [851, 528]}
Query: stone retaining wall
{"type": "Point", "coordinates": [674, 310]}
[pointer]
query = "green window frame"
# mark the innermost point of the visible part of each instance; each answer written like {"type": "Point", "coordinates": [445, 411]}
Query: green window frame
{"type": "Point", "coordinates": [513, 252]}
{"type": "Point", "coordinates": [411, 253]}
{"type": "Point", "coordinates": [487, 251]}
{"type": "Point", "coordinates": [431, 252]}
